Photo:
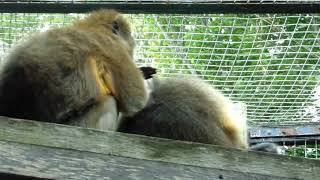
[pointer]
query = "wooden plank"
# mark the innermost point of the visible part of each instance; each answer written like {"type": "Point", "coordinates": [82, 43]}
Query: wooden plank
{"type": "Point", "coordinates": [54, 163]}
{"type": "Point", "coordinates": [156, 149]}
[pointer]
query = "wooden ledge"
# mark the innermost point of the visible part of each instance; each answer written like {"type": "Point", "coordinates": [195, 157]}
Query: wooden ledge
{"type": "Point", "coordinates": [64, 152]}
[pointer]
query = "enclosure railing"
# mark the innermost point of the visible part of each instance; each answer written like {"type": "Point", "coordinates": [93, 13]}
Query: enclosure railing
{"type": "Point", "coordinates": [162, 6]}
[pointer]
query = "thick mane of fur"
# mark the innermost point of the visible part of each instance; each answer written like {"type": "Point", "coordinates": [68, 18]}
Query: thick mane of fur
{"type": "Point", "coordinates": [69, 71]}
{"type": "Point", "coordinates": [186, 109]}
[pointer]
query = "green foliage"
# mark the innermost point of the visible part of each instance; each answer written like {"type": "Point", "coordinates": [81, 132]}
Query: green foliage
{"type": "Point", "coordinates": [13, 26]}
{"type": "Point", "coordinates": [270, 62]}
{"type": "Point", "coordinates": [309, 151]}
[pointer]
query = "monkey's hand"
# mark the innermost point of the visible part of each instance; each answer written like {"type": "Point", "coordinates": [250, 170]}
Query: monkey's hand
{"type": "Point", "coordinates": [148, 72]}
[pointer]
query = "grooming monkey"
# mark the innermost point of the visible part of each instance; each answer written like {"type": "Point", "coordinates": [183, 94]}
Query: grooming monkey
{"type": "Point", "coordinates": [78, 74]}
{"type": "Point", "coordinates": [186, 109]}
{"type": "Point", "coordinates": [190, 110]}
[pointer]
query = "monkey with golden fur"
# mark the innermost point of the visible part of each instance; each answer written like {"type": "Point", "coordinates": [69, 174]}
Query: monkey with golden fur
{"type": "Point", "coordinates": [186, 109]}
{"type": "Point", "coordinates": [189, 109]}
{"type": "Point", "coordinates": [69, 74]}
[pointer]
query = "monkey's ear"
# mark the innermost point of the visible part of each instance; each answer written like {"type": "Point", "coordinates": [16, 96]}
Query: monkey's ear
{"type": "Point", "coordinates": [115, 27]}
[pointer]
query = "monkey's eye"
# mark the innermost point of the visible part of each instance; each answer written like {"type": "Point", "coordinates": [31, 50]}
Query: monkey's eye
{"type": "Point", "coordinates": [115, 27]}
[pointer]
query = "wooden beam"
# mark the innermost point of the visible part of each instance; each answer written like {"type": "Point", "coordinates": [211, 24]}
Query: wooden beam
{"type": "Point", "coordinates": [75, 147]}
{"type": "Point", "coordinates": [55, 163]}
{"type": "Point", "coordinates": [159, 7]}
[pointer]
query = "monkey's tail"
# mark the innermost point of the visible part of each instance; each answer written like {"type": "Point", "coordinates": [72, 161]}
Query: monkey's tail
{"type": "Point", "coordinates": [266, 147]}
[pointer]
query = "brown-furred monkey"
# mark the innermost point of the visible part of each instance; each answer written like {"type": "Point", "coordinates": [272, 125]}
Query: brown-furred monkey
{"type": "Point", "coordinates": [78, 74]}
{"type": "Point", "coordinates": [184, 108]}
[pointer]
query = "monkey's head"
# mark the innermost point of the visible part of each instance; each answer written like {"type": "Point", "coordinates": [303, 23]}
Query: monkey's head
{"type": "Point", "coordinates": [112, 23]}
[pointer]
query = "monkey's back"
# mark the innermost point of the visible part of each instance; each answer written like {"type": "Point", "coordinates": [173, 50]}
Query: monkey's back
{"type": "Point", "coordinates": [46, 76]}
{"type": "Point", "coordinates": [186, 109]}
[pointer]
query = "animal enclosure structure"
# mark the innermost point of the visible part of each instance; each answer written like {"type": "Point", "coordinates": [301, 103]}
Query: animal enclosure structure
{"type": "Point", "coordinates": [263, 54]}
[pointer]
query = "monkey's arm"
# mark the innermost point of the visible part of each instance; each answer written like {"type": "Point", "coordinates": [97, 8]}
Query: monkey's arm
{"type": "Point", "coordinates": [130, 89]}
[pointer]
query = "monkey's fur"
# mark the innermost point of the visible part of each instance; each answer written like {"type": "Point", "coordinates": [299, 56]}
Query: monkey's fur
{"type": "Point", "coordinates": [186, 109]}
{"type": "Point", "coordinates": [67, 72]}
{"type": "Point", "coordinates": [266, 147]}
{"type": "Point", "coordinates": [189, 109]}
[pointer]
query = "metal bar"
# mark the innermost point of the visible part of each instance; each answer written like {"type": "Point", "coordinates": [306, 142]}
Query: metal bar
{"type": "Point", "coordinates": [283, 132]}
{"type": "Point", "coordinates": [289, 135]}
{"type": "Point", "coordinates": [294, 140]}
{"type": "Point", "coordinates": [159, 8]}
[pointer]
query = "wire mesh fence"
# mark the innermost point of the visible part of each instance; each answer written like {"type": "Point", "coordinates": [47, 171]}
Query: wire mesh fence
{"type": "Point", "coordinates": [269, 62]}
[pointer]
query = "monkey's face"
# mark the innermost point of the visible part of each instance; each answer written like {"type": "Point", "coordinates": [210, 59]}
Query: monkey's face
{"type": "Point", "coordinates": [121, 28]}
{"type": "Point", "coordinates": [113, 24]}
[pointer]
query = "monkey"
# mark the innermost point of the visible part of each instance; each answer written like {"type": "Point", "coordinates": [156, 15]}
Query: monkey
{"type": "Point", "coordinates": [78, 74]}
{"type": "Point", "coordinates": [190, 110]}
{"type": "Point", "coordinates": [266, 147]}
{"type": "Point", "coordinates": [187, 109]}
